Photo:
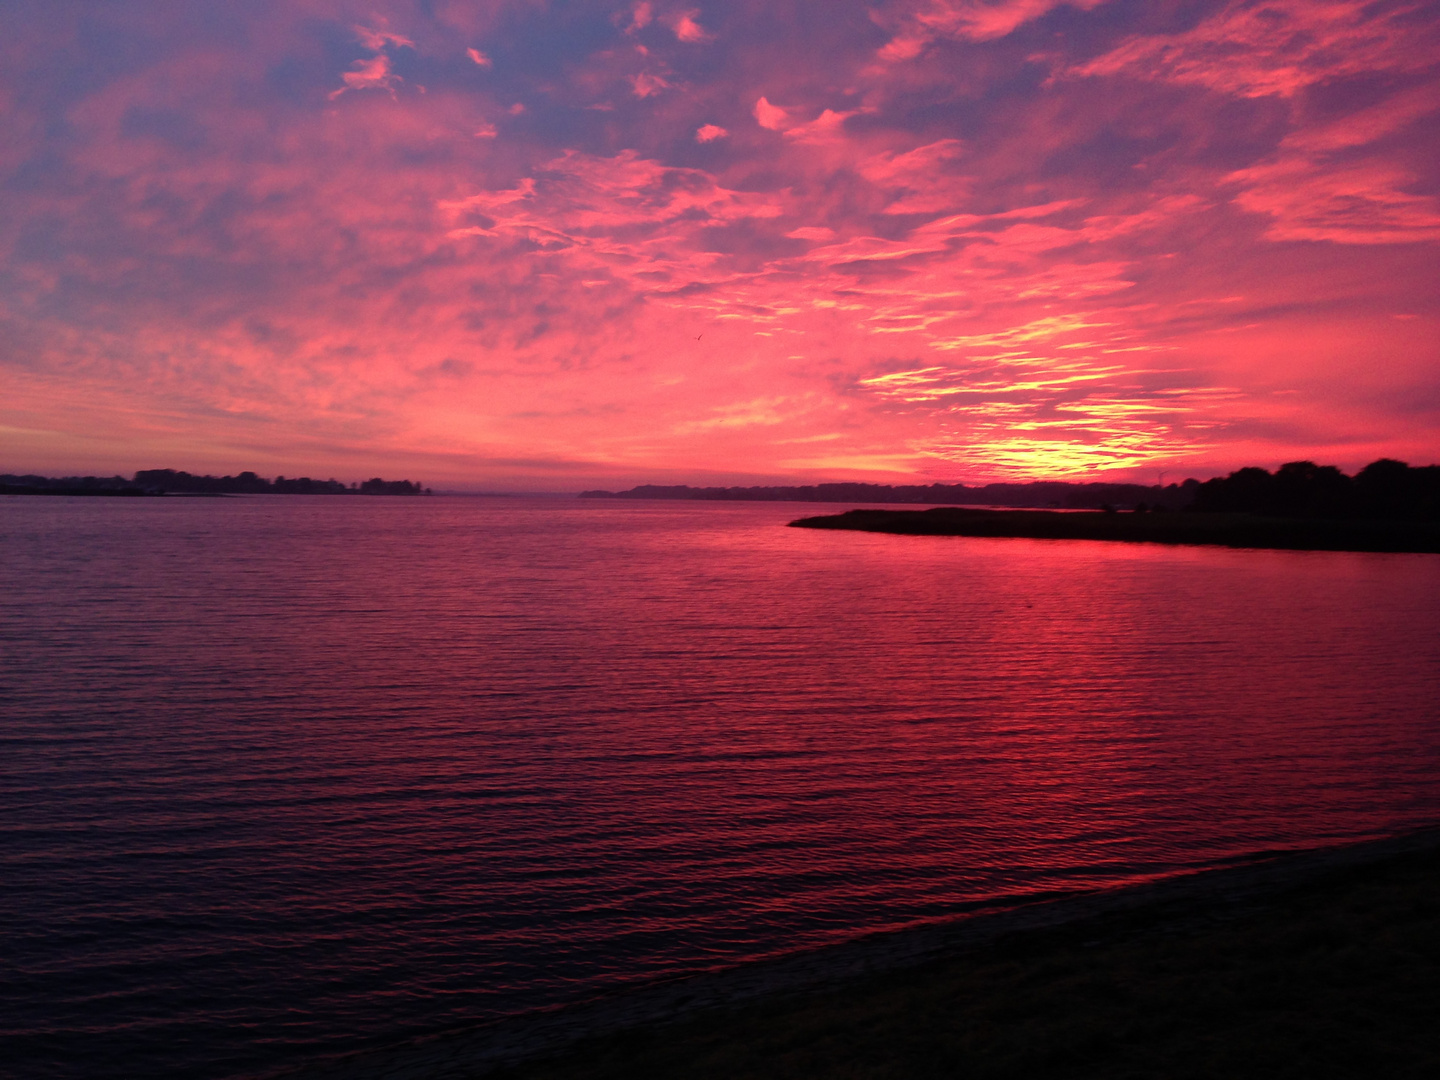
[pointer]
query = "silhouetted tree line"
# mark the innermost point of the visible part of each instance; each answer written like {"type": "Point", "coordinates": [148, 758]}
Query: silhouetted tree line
{"type": "Point", "coordinates": [247, 483]}
{"type": "Point", "coordinates": [1384, 489]}
{"type": "Point", "coordinates": [163, 480]}
{"type": "Point", "coordinates": [167, 481]}
{"type": "Point", "coordinates": [1053, 494]}
{"type": "Point", "coordinates": [30, 484]}
{"type": "Point", "coordinates": [376, 486]}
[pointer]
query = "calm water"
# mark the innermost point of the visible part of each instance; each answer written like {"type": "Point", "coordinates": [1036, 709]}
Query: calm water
{"type": "Point", "coordinates": [280, 776]}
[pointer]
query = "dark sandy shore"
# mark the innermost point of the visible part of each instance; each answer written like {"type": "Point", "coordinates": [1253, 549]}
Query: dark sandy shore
{"type": "Point", "coordinates": [1227, 530]}
{"type": "Point", "coordinates": [1322, 963]}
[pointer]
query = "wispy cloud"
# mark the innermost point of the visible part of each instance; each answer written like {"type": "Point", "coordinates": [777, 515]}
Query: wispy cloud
{"type": "Point", "coordinates": [373, 73]}
{"type": "Point", "coordinates": [916, 25]}
{"type": "Point", "coordinates": [1254, 48]}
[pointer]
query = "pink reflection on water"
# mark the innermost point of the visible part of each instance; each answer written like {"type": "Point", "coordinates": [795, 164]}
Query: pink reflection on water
{"type": "Point", "coordinates": [426, 763]}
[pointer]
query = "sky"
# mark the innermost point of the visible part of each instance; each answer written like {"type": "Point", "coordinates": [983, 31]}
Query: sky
{"type": "Point", "coordinates": [549, 245]}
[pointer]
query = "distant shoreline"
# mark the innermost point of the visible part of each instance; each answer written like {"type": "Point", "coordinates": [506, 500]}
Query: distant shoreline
{"type": "Point", "coordinates": [1214, 529]}
{"type": "Point", "coordinates": [108, 493]}
{"type": "Point", "coordinates": [1034, 494]}
{"type": "Point", "coordinates": [151, 483]}
{"type": "Point", "coordinates": [137, 493]}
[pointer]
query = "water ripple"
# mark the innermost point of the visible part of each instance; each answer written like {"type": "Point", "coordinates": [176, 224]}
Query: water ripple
{"type": "Point", "coordinates": [285, 775]}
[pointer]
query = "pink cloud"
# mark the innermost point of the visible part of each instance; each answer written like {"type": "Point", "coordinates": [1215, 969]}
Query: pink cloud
{"type": "Point", "coordinates": [710, 132]}
{"type": "Point", "coordinates": [916, 25]}
{"type": "Point", "coordinates": [1367, 125]}
{"type": "Point", "coordinates": [770, 116]}
{"type": "Point", "coordinates": [478, 57]}
{"type": "Point", "coordinates": [1355, 203]}
{"type": "Point", "coordinates": [925, 180]}
{"type": "Point", "coordinates": [1336, 181]}
{"type": "Point", "coordinates": [370, 74]}
{"type": "Point", "coordinates": [378, 39]}
{"type": "Point", "coordinates": [686, 26]}
{"type": "Point", "coordinates": [640, 17]}
{"type": "Point", "coordinates": [644, 84]}
{"type": "Point", "coordinates": [1278, 47]}
{"type": "Point", "coordinates": [373, 73]}
{"type": "Point", "coordinates": [827, 127]}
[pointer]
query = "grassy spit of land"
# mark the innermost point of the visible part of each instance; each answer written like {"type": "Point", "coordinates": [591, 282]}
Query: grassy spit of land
{"type": "Point", "coordinates": [1225, 529]}
{"type": "Point", "coordinates": [1313, 965]}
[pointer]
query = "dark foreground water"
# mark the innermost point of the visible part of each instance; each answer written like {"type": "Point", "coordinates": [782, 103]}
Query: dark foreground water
{"type": "Point", "coordinates": [283, 776]}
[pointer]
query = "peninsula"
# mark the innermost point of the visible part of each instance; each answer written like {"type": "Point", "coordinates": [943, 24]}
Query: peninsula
{"type": "Point", "coordinates": [1227, 530]}
{"type": "Point", "coordinates": [1387, 506]}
